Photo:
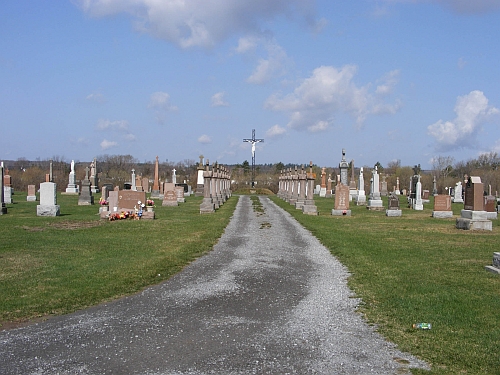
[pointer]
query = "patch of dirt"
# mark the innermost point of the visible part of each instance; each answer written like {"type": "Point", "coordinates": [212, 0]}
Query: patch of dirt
{"type": "Point", "coordinates": [4, 326]}
{"type": "Point", "coordinates": [66, 225]}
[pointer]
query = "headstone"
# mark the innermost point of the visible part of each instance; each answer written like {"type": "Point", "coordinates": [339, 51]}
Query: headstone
{"type": "Point", "coordinates": [199, 178]}
{"type": "Point", "coordinates": [86, 198]}
{"type": "Point", "coordinates": [48, 200]}
{"type": "Point", "coordinates": [495, 267]}
{"type": "Point", "coordinates": [113, 200]}
{"type": "Point", "coordinates": [3, 209]}
{"type": "Point", "coordinates": [375, 201]}
{"type": "Point", "coordinates": [31, 193]}
{"type": "Point", "coordinates": [72, 187]}
{"type": "Point", "coordinates": [398, 191]}
{"type": "Point", "coordinates": [329, 187]}
{"type": "Point", "coordinates": [322, 191]}
{"type": "Point", "coordinates": [434, 186]}
{"type": "Point", "coordinates": [309, 207]}
{"type": "Point", "coordinates": [93, 177]}
{"type": "Point", "coordinates": [442, 207]}
{"type": "Point", "coordinates": [174, 176]}
{"type": "Point", "coordinates": [155, 193]}
{"type": "Point", "coordinates": [383, 187]}
{"type": "Point", "coordinates": [169, 194]}
{"type": "Point", "coordinates": [207, 205]}
{"type": "Point", "coordinates": [352, 183]}
{"type": "Point", "coordinates": [490, 206]}
{"type": "Point", "coordinates": [341, 207]}
{"type": "Point", "coordinates": [361, 196]}
{"type": "Point", "coordinates": [179, 191]}
{"type": "Point", "coordinates": [393, 209]}
{"type": "Point", "coordinates": [473, 216]}
{"type": "Point", "coordinates": [7, 194]}
{"type": "Point", "coordinates": [344, 166]}
{"type": "Point", "coordinates": [145, 184]}
{"type": "Point", "coordinates": [134, 186]}
{"type": "Point", "coordinates": [417, 203]}
{"type": "Point", "coordinates": [457, 195]}
{"type": "Point", "coordinates": [425, 196]}
{"type": "Point", "coordinates": [138, 183]}
{"type": "Point", "coordinates": [129, 199]}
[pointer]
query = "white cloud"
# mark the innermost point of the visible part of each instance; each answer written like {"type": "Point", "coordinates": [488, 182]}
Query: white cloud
{"type": "Point", "coordinates": [246, 44]}
{"type": "Point", "coordinates": [472, 110]}
{"type": "Point", "coordinates": [130, 137]}
{"type": "Point", "coordinates": [328, 91]}
{"type": "Point", "coordinates": [205, 139]}
{"type": "Point", "coordinates": [161, 101]}
{"type": "Point", "coordinates": [461, 63]}
{"type": "Point", "coordinates": [105, 144]}
{"type": "Point", "coordinates": [389, 81]}
{"type": "Point", "coordinates": [273, 66]}
{"type": "Point", "coordinates": [275, 131]}
{"type": "Point", "coordinates": [460, 6]}
{"type": "Point", "coordinates": [199, 23]}
{"type": "Point", "coordinates": [96, 97]}
{"type": "Point", "coordinates": [218, 100]}
{"type": "Point", "coordinates": [120, 125]}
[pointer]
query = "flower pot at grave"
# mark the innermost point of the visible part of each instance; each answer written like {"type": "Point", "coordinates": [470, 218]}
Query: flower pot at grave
{"type": "Point", "coordinates": [104, 208]}
{"type": "Point", "coordinates": [149, 208]}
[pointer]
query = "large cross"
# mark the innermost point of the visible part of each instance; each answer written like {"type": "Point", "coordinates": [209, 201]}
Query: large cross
{"type": "Point", "coordinates": [253, 141]}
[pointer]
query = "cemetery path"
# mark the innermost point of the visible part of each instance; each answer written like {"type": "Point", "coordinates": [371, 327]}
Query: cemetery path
{"type": "Point", "coordinates": [269, 299]}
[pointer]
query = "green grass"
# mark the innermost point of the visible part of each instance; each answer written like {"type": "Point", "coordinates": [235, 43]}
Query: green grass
{"type": "Point", "coordinates": [406, 270]}
{"type": "Point", "coordinates": [416, 268]}
{"type": "Point", "coordinates": [56, 265]}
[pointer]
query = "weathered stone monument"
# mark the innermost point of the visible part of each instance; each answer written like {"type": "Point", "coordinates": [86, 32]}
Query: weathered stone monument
{"type": "Point", "coordinates": [169, 194]}
{"type": "Point", "coordinates": [473, 216]}
{"type": "Point", "coordinates": [322, 191]}
{"type": "Point", "coordinates": [442, 207]}
{"type": "Point", "coordinates": [490, 206]}
{"type": "Point", "coordinates": [174, 176]}
{"type": "Point", "coordinates": [341, 207]}
{"type": "Point", "coordinates": [134, 186]}
{"type": "Point", "coordinates": [329, 187]}
{"type": "Point", "coordinates": [302, 188]}
{"type": "Point", "coordinates": [397, 191]}
{"type": "Point", "coordinates": [7, 187]}
{"type": "Point", "coordinates": [207, 205]}
{"type": "Point", "coordinates": [393, 208]}
{"type": "Point", "coordinates": [361, 196]}
{"type": "Point", "coordinates": [3, 209]}
{"type": "Point", "coordinates": [94, 180]}
{"type": "Point", "coordinates": [417, 203]}
{"type": "Point", "coordinates": [375, 201]}
{"type": "Point", "coordinates": [434, 186]}
{"type": "Point", "coordinates": [199, 179]}
{"type": "Point", "coordinates": [383, 186]}
{"type": "Point", "coordinates": [457, 193]}
{"type": "Point", "coordinates": [31, 197]}
{"type": "Point", "coordinates": [86, 198]}
{"type": "Point", "coordinates": [72, 188]}
{"type": "Point", "coordinates": [48, 200]}
{"type": "Point", "coordinates": [495, 267]}
{"type": "Point", "coordinates": [309, 207]}
{"type": "Point", "coordinates": [343, 166]}
{"type": "Point", "coordinates": [155, 193]}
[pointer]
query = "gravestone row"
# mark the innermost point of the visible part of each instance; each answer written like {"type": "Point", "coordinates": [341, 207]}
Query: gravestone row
{"type": "Point", "coordinates": [216, 187]}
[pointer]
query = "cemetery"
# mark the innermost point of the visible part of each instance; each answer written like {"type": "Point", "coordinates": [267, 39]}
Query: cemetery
{"type": "Point", "coordinates": [405, 264]}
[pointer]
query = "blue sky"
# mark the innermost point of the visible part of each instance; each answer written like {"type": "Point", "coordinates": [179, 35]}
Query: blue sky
{"type": "Point", "coordinates": [386, 79]}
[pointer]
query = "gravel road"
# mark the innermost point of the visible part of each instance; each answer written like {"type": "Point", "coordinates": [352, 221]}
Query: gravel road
{"type": "Point", "coordinates": [269, 299]}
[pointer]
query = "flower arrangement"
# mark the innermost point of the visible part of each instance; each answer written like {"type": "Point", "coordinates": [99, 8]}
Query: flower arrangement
{"type": "Point", "coordinates": [103, 202]}
{"type": "Point", "coordinates": [150, 202]}
{"type": "Point", "coordinates": [124, 215]}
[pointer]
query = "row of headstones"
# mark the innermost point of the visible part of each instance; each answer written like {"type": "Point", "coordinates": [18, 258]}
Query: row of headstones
{"type": "Point", "coordinates": [216, 187]}
{"type": "Point", "coordinates": [297, 188]}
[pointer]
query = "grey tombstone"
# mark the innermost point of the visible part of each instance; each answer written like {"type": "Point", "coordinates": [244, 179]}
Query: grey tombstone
{"type": "Point", "coordinates": [134, 187]}
{"type": "Point", "coordinates": [393, 209]}
{"type": "Point", "coordinates": [375, 201]}
{"type": "Point", "coordinates": [93, 177]}
{"type": "Point", "coordinates": [417, 203]}
{"type": "Point", "coordinates": [7, 194]}
{"type": "Point", "coordinates": [383, 187]}
{"type": "Point", "coordinates": [343, 165]}
{"type": "Point", "coordinates": [309, 207]}
{"type": "Point", "coordinates": [457, 194]}
{"type": "Point", "coordinates": [495, 267]}
{"type": "Point", "coordinates": [361, 196]}
{"type": "Point", "coordinates": [169, 195]}
{"type": "Point", "coordinates": [86, 198]}
{"type": "Point", "coordinates": [48, 200]}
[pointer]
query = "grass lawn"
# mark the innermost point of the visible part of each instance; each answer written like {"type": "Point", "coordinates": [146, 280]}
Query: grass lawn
{"type": "Point", "coordinates": [416, 268]}
{"type": "Point", "coordinates": [56, 265]}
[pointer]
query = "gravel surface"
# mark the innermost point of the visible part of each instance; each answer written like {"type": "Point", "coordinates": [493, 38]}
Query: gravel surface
{"type": "Point", "coordinates": [269, 299]}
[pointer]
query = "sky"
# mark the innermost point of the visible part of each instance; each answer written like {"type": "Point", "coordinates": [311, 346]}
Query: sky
{"type": "Point", "coordinates": [385, 80]}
